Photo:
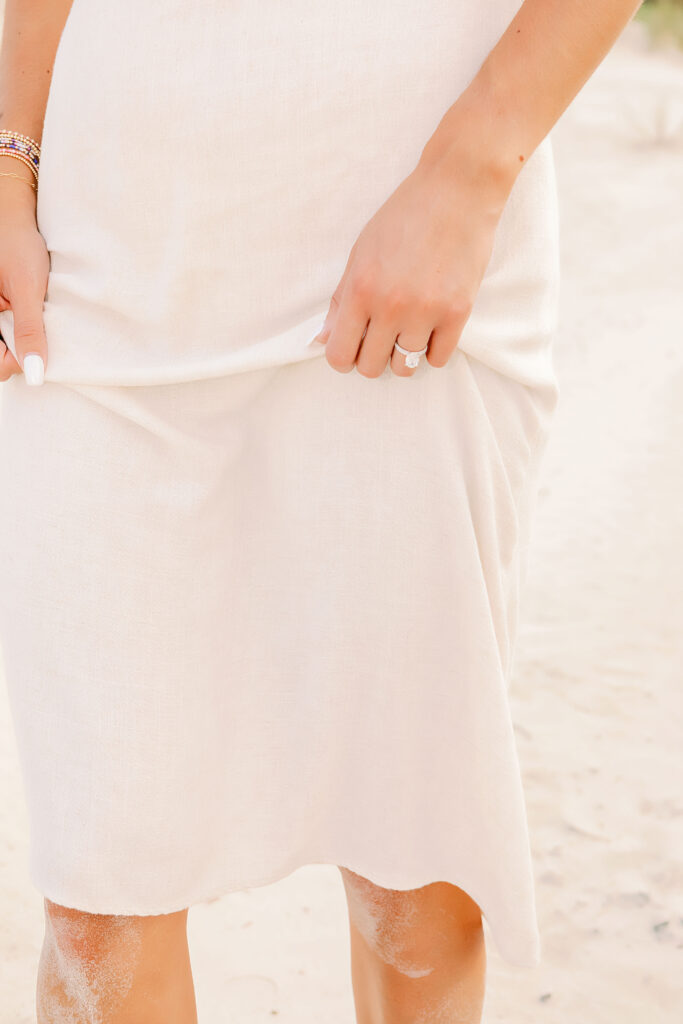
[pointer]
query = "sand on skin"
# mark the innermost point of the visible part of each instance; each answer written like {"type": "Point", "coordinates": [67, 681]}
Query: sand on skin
{"type": "Point", "coordinates": [595, 695]}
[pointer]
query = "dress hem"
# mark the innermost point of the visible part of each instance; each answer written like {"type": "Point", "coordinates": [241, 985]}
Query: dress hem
{"type": "Point", "coordinates": [503, 947]}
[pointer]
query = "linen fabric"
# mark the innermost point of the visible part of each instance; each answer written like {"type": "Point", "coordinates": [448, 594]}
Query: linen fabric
{"type": "Point", "coordinates": [255, 613]}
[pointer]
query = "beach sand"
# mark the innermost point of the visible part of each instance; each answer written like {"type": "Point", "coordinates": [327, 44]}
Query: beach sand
{"type": "Point", "coordinates": [596, 691]}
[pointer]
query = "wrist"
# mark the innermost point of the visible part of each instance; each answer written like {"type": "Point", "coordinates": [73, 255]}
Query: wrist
{"type": "Point", "coordinates": [16, 198]}
{"type": "Point", "coordinates": [15, 193]}
{"type": "Point", "coordinates": [481, 136]}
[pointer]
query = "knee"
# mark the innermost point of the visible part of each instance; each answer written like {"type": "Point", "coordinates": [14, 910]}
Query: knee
{"type": "Point", "coordinates": [416, 930]}
{"type": "Point", "coordinates": [89, 939]}
{"type": "Point", "coordinates": [96, 961]}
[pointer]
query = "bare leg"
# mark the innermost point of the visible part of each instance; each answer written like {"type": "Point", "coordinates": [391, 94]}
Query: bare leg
{"type": "Point", "coordinates": [417, 955]}
{"type": "Point", "coordinates": [104, 969]}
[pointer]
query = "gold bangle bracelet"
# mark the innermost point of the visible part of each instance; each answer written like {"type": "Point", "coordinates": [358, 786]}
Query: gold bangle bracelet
{"type": "Point", "coordinates": [20, 156]}
{"type": "Point", "coordinates": [10, 174]}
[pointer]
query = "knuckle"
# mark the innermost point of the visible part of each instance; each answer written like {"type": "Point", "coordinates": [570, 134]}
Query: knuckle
{"type": "Point", "coordinates": [363, 285]}
{"type": "Point", "coordinates": [28, 276]}
{"type": "Point", "coordinates": [395, 300]}
{"type": "Point", "coordinates": [336, 360]}
{"type": "Point", "coordinates": [458, 306]}
{"type": "Point", "coordinates": [441, 306]}
{"type": "Point", "coordinates": [430, 304]}
{"type": "Point", "coordinates": [28, 328]}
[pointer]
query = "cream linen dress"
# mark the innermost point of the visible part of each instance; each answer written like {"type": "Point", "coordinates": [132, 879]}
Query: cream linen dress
{"type": "Point", "coordinates": [256, 613]}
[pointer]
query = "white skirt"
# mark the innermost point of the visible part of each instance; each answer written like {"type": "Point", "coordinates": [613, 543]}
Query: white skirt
{"type": "Point", "coordinates": [255, 613]}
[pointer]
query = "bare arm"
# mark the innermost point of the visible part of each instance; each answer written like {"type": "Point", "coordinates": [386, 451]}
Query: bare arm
{"type": "Point", "coordinates": [448, 207]}
{"type": "Point", "coordinates": [31, 32]}
{"type": "Point", "coordinates": [548, 52]}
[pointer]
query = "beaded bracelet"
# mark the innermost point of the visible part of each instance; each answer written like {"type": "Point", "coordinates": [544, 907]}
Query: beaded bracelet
{"type": "Point", "coordinates": [21, 143]}
{"type": "Point", "coordinates": [21, 147]}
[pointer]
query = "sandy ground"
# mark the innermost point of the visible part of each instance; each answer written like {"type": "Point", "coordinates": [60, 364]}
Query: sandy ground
{"type": "Point", "coordinates": [596, 696]}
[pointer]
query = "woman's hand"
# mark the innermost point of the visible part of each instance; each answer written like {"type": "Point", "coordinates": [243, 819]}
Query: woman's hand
{"type": "Point", "coordinates": [24, 268]}
{"type": "Point", "coordinates": [415, 269]}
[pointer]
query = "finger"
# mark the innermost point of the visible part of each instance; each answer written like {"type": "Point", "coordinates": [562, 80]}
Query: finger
{"type": "Point", "coordinates": [443, 343]}
{"type": "Point", "coordinates": [376, 347]}
{"type": "Point", "coordinates": [335, 301]}
{"type": "Point", "coordinates": [414, 341]}
{"type": "Point", "coordinates": [324, 332]}
{"type": "Point", "coordinates": [449, 327]}
{"type": "Point", "coordinates": [347, 328]}
{"type": "Point", "coordinates": [30, 343]}
{"type": "Point", "coordinates": [8, 364]}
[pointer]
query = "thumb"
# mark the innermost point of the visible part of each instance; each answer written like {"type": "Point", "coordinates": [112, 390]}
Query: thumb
{"type": "Point", "coordinates": [30, 342]}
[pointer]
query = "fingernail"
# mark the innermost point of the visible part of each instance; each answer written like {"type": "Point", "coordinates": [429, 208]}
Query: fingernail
{"type": "Point", "coordinates": [322, 335]}
{"type": "Point", "coordinates": [34, 369]}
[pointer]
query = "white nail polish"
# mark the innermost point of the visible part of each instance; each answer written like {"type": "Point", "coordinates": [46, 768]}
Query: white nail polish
{"type": "Point", "coordinates": [34, 369]}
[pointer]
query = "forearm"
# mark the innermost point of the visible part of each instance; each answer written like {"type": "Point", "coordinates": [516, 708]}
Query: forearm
{"type": "Point", "coordinates": [547, 53]}
{"type": "Point", "coordinates": [31, 32]}
{"type": "Point", "coordinates": [30, 36]}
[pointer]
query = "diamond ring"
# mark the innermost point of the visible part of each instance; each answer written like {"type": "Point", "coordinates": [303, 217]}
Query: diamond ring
{"type": "Point", "coordinates": [412, 357]}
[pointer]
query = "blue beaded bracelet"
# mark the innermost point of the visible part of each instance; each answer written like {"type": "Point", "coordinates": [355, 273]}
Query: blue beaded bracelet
{"type": "Point", "coordinates": [22, 147]}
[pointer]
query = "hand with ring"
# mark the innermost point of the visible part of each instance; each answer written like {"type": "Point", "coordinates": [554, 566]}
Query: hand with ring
{"type": "Point", "coordinates": [413, 273]}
